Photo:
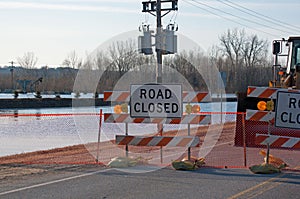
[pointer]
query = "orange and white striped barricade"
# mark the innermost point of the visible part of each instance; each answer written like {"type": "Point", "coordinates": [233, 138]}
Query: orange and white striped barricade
{"type": "Point", "coordinates": [116, 96]}
{"type": "Point", "coordinates": [263, 93]}
{"type": "Point", "coordinates": [260, 93]}
{"type": "Point", "coordinates": [278, 141]}
{"type": "Point", "coordinates": [187, 97]}
{"type": "Point", "coordinates": [184, 141]}
{"type": "Point", "coordinates": [262, 116]}
{"type": "Point", "coordinates": [167, 141]}
{"type": "Point", "coordinates": [262, 120]}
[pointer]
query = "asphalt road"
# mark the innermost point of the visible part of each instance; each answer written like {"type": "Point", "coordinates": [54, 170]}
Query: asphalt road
{"type": "Point", "coordinates": [96, 182]}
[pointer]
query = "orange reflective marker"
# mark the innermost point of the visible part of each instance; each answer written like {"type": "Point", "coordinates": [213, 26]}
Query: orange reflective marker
{"type": "Point", "coordinates": [118, 109]}
{"type": "Point", "coordinates": [196, 109]}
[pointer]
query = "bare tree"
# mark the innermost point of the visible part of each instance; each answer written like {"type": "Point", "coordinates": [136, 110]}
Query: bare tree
{"type": "Point", "coordinates": [255, 56]}
{"type": "Point", "coordinates": [215, 58]}
{"type": "Point", "coordinates": [123, 56]}
{"type": "Point", "coordinates": [72, 60]}
{"type": "Point", "coordinates": [28, 60]}
{"type": "Point", "coordinates": [101, 61]}
{"type": "Point", "coordinates": [187, 64]}
{"type": "Point", "coordinates": [232, 43]}
{"type": "Point", "coordinates": [244, 56]}
{"type": "Point", "coordinates": [254, 51]}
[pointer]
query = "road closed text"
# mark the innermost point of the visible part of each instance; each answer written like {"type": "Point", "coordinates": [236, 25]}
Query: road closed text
{"type": "Point", "coordinates": [291, 117]}
{"type": "Point", "coordinates": [288, 110]}
{"type": "Point", "coordinates": [159, 107]}
{"type": "Point", "coordinates": [155, 101]}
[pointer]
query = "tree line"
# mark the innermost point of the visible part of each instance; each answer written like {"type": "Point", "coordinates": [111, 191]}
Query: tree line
{"type": "Point", "coordinates": [244, 58]}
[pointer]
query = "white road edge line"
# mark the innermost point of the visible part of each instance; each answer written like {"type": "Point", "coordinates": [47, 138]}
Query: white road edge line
{"type": "Point", "coordinates": [52, 182]}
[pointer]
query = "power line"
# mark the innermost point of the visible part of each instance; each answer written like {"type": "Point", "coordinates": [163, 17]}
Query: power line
{"type": "Point", "coordinates": [259, 15]}
{"type": "Point", "coordinates": [227, 18]}
{"type": "Point", "coordinates": [242, 18]}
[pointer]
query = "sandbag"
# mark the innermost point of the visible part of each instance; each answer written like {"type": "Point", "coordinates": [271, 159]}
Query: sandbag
{"type": "Point", "coordinates": [275, 161]}
{"type": "Point", "coordinates": [183, 165]}
{"type": "Point", "coordinates": [264, 169]}
{"type": "Point", "coordinates": [123, 162]}
{"type": "Point", "coordinates": [198, 161]}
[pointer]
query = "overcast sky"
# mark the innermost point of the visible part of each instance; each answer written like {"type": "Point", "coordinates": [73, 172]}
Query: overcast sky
{"type": "Point", "coordinates": [53, 28]}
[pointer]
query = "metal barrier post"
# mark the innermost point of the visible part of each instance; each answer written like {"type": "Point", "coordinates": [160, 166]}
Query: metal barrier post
{"type": "Point", "coordinates": [268, 144]}
{"type": "Point", "coordinates": [126, 133]}
{"type": "Point", "coordinates": [160, 130]}
{"type": "Point", "coordinates": [99, 134]}
{"type": "Point", "coordinates": [189, 149]}
{"type": "Point", "coordinates": [244, 139]}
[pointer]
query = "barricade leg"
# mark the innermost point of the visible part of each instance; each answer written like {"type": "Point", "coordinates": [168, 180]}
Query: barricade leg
{"type": "Point", "coordinates": [160, 128]}
{"type": "Point", "coordinates": [126, 133]}
{"type": "Point", "coordinates": [189, 149]}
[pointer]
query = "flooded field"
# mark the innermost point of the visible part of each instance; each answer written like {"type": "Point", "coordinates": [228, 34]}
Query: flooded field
{"type": "Point", "coordinates": [27, 130]}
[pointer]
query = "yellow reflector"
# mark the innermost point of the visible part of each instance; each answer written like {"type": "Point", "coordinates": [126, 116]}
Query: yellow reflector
{"type": "Point", "coordinates": [124, 108]}
{"type": "Point", "coordinates": [188, 109]}
{"type": "Point", "coordinates": [262, 105]}
{"type": "Point", "coordinates": [270, 105]}
{"type": "Point", "coordinates": [118, 109]}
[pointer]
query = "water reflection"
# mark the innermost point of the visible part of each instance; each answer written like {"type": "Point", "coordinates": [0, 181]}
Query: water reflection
{"type": "Point", "coordinates": [16, 115]}
{"type": "Point", "coordinates": [38, 114]}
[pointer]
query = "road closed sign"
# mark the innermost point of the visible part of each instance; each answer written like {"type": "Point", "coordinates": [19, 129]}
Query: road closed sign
{"type": "Point", "coordinates": [287, 113]}
{"type": "Point", "coordinates": [156, 101]}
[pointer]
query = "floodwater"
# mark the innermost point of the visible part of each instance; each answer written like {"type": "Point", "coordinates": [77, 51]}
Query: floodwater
{"type": "Point", "coordinates": [27, 130]}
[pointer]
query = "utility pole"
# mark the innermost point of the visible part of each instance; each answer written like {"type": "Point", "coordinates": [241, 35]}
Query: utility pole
{"type": "Point", "coordinates": [155, 8]}
{"type": "Point", "coordinates": [12, 74]}
{"type": "Point", "coordinates": [162, 44]}
{"type": "Point", "coordinates": [158, 42]}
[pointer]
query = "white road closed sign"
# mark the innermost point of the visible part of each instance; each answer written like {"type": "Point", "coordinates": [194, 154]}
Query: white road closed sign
{"type": "Point", "coordinates": [156, 100]}
{"type": "Point", "coordinates": [287, 113]}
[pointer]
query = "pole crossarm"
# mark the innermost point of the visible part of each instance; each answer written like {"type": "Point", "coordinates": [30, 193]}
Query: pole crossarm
{"type": "Point", "coordinates": [168, 5]}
